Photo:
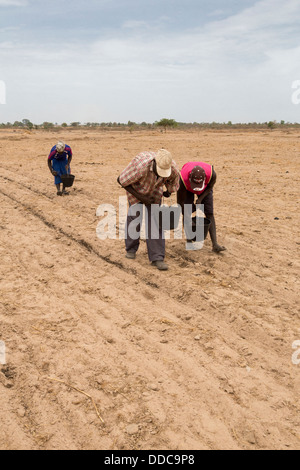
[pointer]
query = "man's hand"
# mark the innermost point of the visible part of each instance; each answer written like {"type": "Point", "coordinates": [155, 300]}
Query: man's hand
{"type": "Point", "coordinates": [148, 200]}
{"type": "Point", "coordinates": [54, 173]}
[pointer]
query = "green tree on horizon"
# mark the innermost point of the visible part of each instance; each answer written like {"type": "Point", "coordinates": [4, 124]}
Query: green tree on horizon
{"type": "Point", "coordinates": [165, 123]}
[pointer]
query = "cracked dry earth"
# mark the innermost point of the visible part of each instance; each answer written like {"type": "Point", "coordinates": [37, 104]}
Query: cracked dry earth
{"type": "Point", "coordinates": [108, 353]}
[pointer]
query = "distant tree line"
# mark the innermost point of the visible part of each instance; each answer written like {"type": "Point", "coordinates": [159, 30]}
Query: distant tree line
{"type": "Point", "coordinates": [164, 124]}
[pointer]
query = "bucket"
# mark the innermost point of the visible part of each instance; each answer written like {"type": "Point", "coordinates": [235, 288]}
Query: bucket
{"type": "Point", "coordinates": [67, 180]}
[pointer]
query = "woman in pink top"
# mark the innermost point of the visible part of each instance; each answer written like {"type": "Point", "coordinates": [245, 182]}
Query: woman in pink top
{"type": "Point", "coordinates": [198, 178]}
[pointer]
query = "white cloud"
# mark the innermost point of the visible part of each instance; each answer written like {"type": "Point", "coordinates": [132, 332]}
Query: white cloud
{"type": "Point", "coordinates": [134, 24]}
{"type": "Point", "coordinates": [9, 29]}
{"type": "Point", "coordinates": [240, 68]}
{"type": "Point", "coordinates": [218, 12]}
{"type": "Point", "coordinates": [13, 3]}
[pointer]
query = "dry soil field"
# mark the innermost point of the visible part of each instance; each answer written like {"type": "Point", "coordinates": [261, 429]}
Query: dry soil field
{"type": "Point", "coordinates": [107, 353]}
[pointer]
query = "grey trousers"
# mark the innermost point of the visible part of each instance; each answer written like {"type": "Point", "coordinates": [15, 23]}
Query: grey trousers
{"type": "Point", "coordinates": [156, 243]}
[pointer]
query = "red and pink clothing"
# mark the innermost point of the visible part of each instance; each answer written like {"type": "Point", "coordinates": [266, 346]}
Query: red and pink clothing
{"type": "Point", "coordinates": [186, 171]}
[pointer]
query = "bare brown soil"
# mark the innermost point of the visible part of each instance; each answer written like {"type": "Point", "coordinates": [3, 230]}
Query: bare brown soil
{"type": "Point", "coordinates": [199, 357]}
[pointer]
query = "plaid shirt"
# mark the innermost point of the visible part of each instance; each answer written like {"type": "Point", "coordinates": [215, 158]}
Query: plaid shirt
{"type": "Point", "coordinates": [140, 175]}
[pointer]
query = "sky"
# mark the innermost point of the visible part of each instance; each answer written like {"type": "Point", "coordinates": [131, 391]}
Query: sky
{"type": "Point", "coordinates": [144, 60]}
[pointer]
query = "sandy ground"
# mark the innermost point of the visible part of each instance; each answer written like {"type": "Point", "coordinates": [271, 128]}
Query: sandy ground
{"type": "Point", "coordinates": [107, 353]}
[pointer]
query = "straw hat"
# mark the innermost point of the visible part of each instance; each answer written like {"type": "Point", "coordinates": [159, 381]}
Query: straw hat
{"type": "Point", "coordinates": [164, 163]}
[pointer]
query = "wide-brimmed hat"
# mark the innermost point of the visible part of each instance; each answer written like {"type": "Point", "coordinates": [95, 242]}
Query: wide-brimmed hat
{"type": "Point", "coordinates": [60, 146]}
{"type": "Point", "coordinates": [197, 178]}
{"type": "Point", "coordinates": [164, 163]}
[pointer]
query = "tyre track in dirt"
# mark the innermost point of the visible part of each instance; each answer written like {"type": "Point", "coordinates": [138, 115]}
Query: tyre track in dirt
{"type": "Point", "coordinates": [141, 382]}
{"type": "Point", "coordinates": [169, 323]}
{"type": "Point", "coordinates": [178, 256]}
{"type": "Point", "coordinates": [83, 243]}
{"type": "Point", "coordinates": [229, 388]}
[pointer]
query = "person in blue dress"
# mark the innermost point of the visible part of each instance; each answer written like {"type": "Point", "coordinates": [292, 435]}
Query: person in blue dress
{"type": "Point", "coordinates": [59, 164]}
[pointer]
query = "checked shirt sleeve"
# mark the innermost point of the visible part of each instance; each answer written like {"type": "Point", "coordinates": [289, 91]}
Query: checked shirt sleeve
{"type": "Point", "coordinates": [130, 175]}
